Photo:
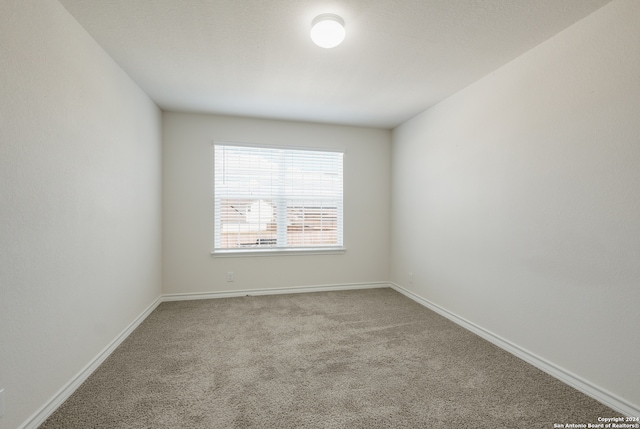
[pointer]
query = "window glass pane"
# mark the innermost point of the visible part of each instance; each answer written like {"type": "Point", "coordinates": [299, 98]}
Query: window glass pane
{"type": "Point", "coordinates": [269, 197]}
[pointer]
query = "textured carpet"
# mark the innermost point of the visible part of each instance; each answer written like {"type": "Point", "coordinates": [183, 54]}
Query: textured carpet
{"type": "Point", "coordinates": [347, 359]}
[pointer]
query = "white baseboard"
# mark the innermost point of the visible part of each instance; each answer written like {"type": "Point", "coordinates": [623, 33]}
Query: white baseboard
{"type": "Point", "coordinates": [272, 291]}
{"type": "Point", "coordinates": [563, 375]}
{"type": "Point", "coordinates": [607, 398]}
{"type": "Point", "coordinates": [67, 390]}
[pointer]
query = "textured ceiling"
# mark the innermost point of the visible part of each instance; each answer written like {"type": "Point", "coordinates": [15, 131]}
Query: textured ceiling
{"type": "Point", "coordinates": [255, 58]}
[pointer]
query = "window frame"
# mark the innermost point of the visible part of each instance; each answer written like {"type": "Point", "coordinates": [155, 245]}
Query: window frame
{"type": "Point", "coordinates": [276, 251]}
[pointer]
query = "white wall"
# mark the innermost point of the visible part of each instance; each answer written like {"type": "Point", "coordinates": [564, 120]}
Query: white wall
{"type": "Point", "coordinates": [80, 222]}
{"type": "Point", "coordinates": [516, 202]}
{"type": "Point", "coordinates": [188, 266]}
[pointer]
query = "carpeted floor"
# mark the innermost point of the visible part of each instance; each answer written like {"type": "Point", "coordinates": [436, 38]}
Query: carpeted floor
{"type": "Point", "coordinates": [348, 359]}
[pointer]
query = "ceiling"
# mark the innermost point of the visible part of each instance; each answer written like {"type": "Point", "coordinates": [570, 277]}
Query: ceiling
{"type": "Point", "coordinates": [255, 58]}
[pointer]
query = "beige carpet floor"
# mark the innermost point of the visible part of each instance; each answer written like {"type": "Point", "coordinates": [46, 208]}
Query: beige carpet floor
{"type": "Point", "coordinates": [344, 359]}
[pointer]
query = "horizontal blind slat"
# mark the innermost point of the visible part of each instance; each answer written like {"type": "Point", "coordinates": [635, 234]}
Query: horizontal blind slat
{"type": "Point", "coordinates": [280, 197]}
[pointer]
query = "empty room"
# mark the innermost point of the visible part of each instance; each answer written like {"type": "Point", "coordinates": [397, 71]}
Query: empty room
{"type": "Point", "coordinates": [319, 214]}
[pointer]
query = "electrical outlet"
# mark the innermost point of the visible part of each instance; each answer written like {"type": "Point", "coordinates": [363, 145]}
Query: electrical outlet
{"type": "Point", "coordinates": [1, 402]}
{"type": "Point", "coordinates": [229, 276]}
{"type": "Point", "coordinates": [411, 278]}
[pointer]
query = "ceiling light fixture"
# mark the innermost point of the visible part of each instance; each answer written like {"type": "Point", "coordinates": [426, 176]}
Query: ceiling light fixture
{"type": "Point", "coordinates": [327, 30]}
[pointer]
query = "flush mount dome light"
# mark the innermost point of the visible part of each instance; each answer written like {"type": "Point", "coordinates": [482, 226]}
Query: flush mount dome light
{"type": "Point", "coordinates": [327, 30]}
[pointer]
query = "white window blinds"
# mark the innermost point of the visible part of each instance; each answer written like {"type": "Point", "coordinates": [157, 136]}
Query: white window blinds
{"type": "Point", "coordinates": [272, 198]}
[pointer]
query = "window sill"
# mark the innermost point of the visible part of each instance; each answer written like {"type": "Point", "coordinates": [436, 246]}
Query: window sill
{"type": "Point", "coordinates": [277, 252]}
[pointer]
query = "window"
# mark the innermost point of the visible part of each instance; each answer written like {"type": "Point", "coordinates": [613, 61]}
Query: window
{"type": "Point", "coordinates": [270, 199]}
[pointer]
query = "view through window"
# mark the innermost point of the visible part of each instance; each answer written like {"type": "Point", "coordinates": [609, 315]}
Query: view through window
{"type": "Point", "coordinates": [273, 198]}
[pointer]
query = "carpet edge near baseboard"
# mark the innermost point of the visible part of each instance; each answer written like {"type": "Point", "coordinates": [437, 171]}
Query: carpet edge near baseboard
{"type": "Point", "coordinates": [72, 385]}
{"type": "Point", "coordinates": [567, 377]}
{"type": "Point", "coordinates": [41, 415]}
{"type": "Point", "coordinates": [273, 291]}
{"type": "Point", "coordinates": [607, 398]}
